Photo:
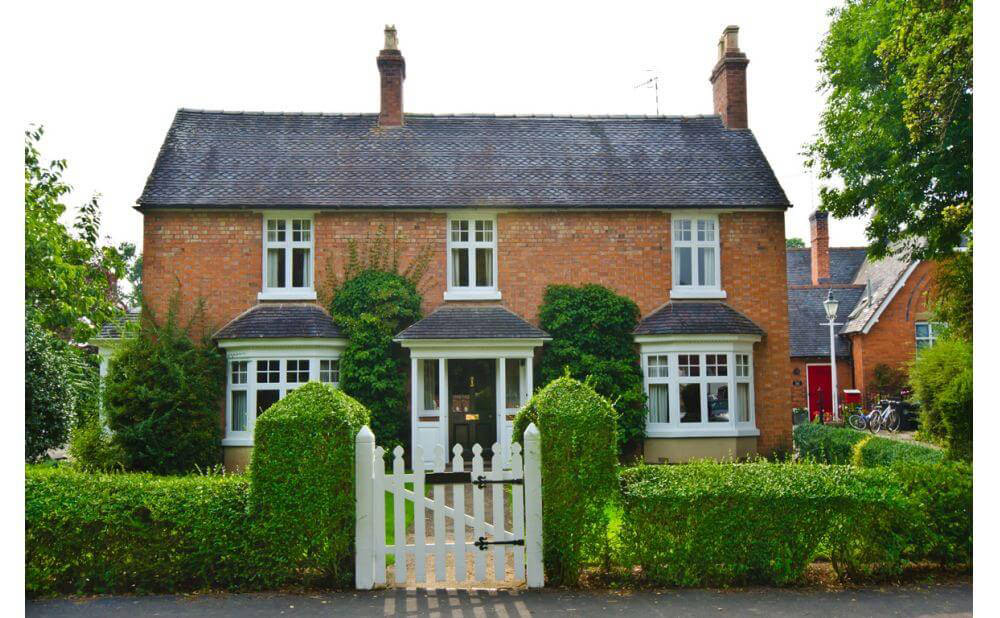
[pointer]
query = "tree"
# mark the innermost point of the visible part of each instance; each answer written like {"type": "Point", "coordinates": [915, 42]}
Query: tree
{"type": "Point", "coordinates": [48, 393]}
{"type": "Point", "coordinates": [794, 243]}
{"type": "Point", "coordinates": [70, 281]}
{"type": "Point", "coordinates": [591, 329]}
{"type": "Point", "coordinates": [897, 127]}
{"type": "Point", "coordinates": [132, 260]}
{"type": "Point", "coordinates": [954, 294]}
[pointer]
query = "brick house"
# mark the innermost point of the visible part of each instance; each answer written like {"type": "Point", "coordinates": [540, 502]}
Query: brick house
{"type": "Point", "coordinates": [248, 211]}
{"type": "Point", "coordinates": [883, 312]}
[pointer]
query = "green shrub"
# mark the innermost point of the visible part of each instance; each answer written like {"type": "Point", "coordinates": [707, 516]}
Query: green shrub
{"type": "Point", "coordinates": [162, 395]}
{"type": "Point", "coordinates": [591, 330]}
{"type": "Point", "coordinates": [93, 448]}
{"type": "Point", "coordinates": [579, 458]}
{"type": "Point", "coordinates": [708, 523]}
{"type": "Point", "coordinates": [302, 476]}
{"type": "Point", "coordinates": [372, 307]}
{"type": "Point", "coordinates": [874, 451]}
{"type": "Point", "coordinates": [117, 533]}
{"type": "Point", "coordinates": [942, 382]}
{"type": "Point", "coordinates": [48, 393]}
{"type": "Point", "coordinates": [941, 512]}
{"type": "Point", "coordinates": [825, 444]}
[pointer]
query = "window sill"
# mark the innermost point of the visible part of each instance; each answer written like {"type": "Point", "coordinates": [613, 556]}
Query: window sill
{"type": "Point", "coordinates": [303, 295]}
{"type": "Point", "coordinates": [702, 432]}
{"type": "Point", "coordinates": [697, 293]}
{"type": "Point", "coordinates": [237, 442]}
{"type": "Point", "coordinates": [472, 295]}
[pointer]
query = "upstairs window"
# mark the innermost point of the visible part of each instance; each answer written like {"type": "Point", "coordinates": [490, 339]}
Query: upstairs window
{"type": "Point", "coordinates": [288, 257]}
{"type": "Point", "coordinates": [472, 258]}
{"type": "Point", "coordinates": [696, 271]}
{"type": "Point", "coordinates": [928, 333]}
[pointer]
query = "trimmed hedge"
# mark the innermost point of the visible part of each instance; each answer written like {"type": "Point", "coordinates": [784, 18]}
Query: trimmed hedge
{"type": "Point", "coordinates": [115, 533]}
{"type": "Point", "coordinates": [302, 475]}
{"type": "Point", "coordinates": [941, 513]}
{"type": "Point", "coordinates": [721, 524]}
{"type": "Point", "coordinates": [839, 445]}
{"type": "Point", "coordinates": [579, 459]}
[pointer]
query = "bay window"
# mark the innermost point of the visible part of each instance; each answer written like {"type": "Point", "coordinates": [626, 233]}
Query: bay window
{"type": "Point", "coordinates": [704, 389]}
{"type": "Point", "coordinates": [696, 269]}
{"type": "Point", "coordinates": [288, 258]}
{"type": "Point", "coordinates": [472, 258]}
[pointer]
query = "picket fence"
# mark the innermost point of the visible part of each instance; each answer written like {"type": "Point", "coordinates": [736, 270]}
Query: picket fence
{"type": "Point", "coordinates": [523, 541]}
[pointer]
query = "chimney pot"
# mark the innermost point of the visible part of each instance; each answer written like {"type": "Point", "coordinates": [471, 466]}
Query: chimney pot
{"type": "Point", "coordinates": [729, 81]}
{"type": "Point", "coordinates": [392, 71]}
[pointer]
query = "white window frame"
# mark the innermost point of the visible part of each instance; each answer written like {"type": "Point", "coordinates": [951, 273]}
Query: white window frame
{"type": "Point", "coordinates": [673, 347]}
{"type": "Point", "coordinates": [694, 290]}
{"type": "Point", "coordinates": [933, 332]}
{"type": "Point", "coordinates": [288, 292]}
{"type": "Point", "coordinates": [275, 350]}
{"type": "Point", "coordinates": [472, 291]}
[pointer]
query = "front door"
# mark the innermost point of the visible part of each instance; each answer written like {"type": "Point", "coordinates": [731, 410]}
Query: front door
{"type": "Point", "coordinates": [820, 387]}
{"type": "Point", "coordinates": [472, 402]}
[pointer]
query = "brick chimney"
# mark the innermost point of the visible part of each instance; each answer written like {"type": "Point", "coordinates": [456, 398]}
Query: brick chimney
{"type": "Point", "coordinates": [392, 69]}
{"type": "Point", "coordinates": [819, 247]}
{"type": "Point", "coordinates": [729, 81]}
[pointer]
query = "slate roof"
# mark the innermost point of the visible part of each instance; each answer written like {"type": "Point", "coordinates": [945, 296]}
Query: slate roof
{"type": "Point", "coordinates": [697, 318]}
{"type": "Point", "coordinates": [248, 160]}
{"type": "Point", "coordinates": [114, 329]}
{"type": "Point", "coordinates": [454, 322]}
{"type": "Point", "coordinates": [883, 275]}
{"type": "Point", "coordinates": [806, 316]}
{"type": "Point", "coordinates": [844, 265]}
{"type": "Point", "coordinates": [280, 320]}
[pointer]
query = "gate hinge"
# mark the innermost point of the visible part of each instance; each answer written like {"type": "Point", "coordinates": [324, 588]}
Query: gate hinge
{"type": "Point", "coordinates": [482, 543]}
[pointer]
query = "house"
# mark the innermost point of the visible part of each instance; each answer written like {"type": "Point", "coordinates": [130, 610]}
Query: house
{"type": "Point", "coordinates": [248, 211]}
{"type": "Point", "coordinates": [883, 317]}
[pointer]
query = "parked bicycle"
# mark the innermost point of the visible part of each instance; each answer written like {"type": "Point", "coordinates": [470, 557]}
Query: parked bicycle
{"type": "Point", "coordinates": [887, 416]}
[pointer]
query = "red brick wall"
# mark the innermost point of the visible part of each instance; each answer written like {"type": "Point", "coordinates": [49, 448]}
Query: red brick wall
{"type": "Point", "coordinates": [845, 378]}
{"type": "Point", "coordinates": [892, 340]}
{"type": "Point", "coordinates": [218, 257]}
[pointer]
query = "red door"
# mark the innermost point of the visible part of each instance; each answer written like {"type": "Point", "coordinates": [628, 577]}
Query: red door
{"type": "Point", "coordinates": [820, 386]}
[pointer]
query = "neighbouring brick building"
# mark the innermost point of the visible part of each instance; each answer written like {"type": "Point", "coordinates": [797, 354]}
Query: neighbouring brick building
{"type": "Point", "coordinates": [250, 213]}
{"type": "Point", "coordinates": [883, 316]}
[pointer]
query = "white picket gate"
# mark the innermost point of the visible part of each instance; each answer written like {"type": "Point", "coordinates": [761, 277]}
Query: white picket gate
{"type": "Point", "coordinates": [523, 541]}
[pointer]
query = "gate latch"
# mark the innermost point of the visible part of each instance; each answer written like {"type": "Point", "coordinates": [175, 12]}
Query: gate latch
{"type": "Point", "coordinates": [481, 481]}
{"type": "Point", "coordinates": [482, 543]}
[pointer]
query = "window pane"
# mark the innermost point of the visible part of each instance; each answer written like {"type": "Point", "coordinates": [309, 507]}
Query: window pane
{"type": "Point", "coordinates": [690, 400]}
{"type": "Point", "coordinates": [301, 230]}
{"type": "Point", "coordinates": [682, 230]}
{"type": "Point", "coordinates": [658, 367]}
{"type": "Point", "coordinates": [238, 418]}
{"type": "Point", "coordinates": [706, 266]}
{"type": "Point", "coordinates": [275, 268]}
{"type": "Point", "coordinates": [268, 372]}
{"type": "Point", "coordinates": [266, 399]}
{"type": "Point", "coordinates": [239, 372]}
{"type": "Point", "coordinates": [742, 402]}
{"type": "Point", "coordinates": [687, 366]}
{"type": "Point", "coordinates": [683, 257]}
{"type": "Point", "coordinates": [460, 267]}
{"type": "Point", "coordinates": [301, 277]}
{"type": "Point", "coordinates": [706, 230]}
{"type": "Point", "coordinates": [459, 231]}
{"type": "Point", "coordinates": [716, 365]}
{"type": "Point", "coordinates": [743, 365]}
{"type": "Point", "coordinates": [659, 403]}
{"type": "Point", "coordinates": [923, 329]}
{"type": "Point", "coordinates": [484, 231]}
{"type": "Point", "coordinates": [431, 384]}
{"type": "Point", "coordinates": [484, 267]}
{"type": "Point", "coordinates": [512, 372]}
{"type": "Point", "coordinates": [297, 372]}
{"type": "Point", "coordinates": [276, 230]}
{"type": "Point", "coordinates": [718, 402]}
{"type": "Point", "coordinates": [329, 371]}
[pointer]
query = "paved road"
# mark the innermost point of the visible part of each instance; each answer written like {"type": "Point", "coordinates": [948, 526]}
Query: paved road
{"type": "Point", "coordinates": [944, 600]}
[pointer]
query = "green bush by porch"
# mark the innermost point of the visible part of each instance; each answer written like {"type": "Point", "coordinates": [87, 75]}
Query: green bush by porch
{"type": "Point", "coordinates": [302, 486]}
{"type": "Point", "coordinates": [579, 459]}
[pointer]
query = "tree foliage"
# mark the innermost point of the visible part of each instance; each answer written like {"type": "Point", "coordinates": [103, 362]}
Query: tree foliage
{"type": "Point", "coordinates": [794, 243]}
{"type": "Point", "coordinates": [70, 280]}
{"type": "Point", "coordinates": [942, 382]}
{"type": "Point", "coordinates": [591, 330]}
{"type": "Point", "coordinates": [897, 127]}
{"type": "Point", "coordinates": [954, 294]}
{"type": "Point", "coordinates": [49, 397]}
{"type": "Point", "coordinates": [163, 394]}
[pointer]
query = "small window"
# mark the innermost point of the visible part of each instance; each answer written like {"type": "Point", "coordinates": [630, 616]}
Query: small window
{"type": "Point", "coordinates": [238, 411]}
{"type": "Point", "coordinates": [928, 333]}
{"type": "Point", "coordinates": [297, 372]}
{"type": "Point", "coordinates": [268, 371]}
{"type": "Point", "coordinates": [716, 365]}
{"type": "Point", "coordinates": [690, 400]}
{"type": "Point", "coordinates": [718, 402]}
{"type": "Point", "coordinates": [696, 254]}
{"type": "Point", "coordinates": [658, 366]}
{"type": "Point", "coordinates": [239, 372]}
{"type": "Point", "coordinates": [742, 365]}
{"type": "Point", "coordinates": [329, 371]}
{"type": "Point", "coordinates": [687, 366]}
{"type": "Point", "coordinates": [742, 402]}
{"type": "Point", "coordinates": [659, 403]}
{"type": "Point", "coordinates": [288, 255]}
{"type": "Point", "coordinates": [472, 257]}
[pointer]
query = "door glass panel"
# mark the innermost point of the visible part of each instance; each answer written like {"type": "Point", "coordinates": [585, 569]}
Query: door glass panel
{"type": "Point", "coordinates": [659, 403]}
{"type": "Point", "coordinates": [484, 267]}
{"type": "Point", "coordinates": [460, 267]}
{"type": "Point", "coordinates": [690, 400]}
{"type": "Point", "coordinates": [512, 370]}
{"type": "Point", "coordinates": [430, 384]}
{"type": "Point", "coordinates": [718, 402]}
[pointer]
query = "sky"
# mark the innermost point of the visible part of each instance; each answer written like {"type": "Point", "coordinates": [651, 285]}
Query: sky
{"type": "Point", "coordinates": [115, 73]}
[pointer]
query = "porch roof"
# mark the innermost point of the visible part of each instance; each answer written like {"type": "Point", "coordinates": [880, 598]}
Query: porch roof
{"type": "Point", "coordinates": [479, 322]}
{"type": "Point", "coordinates": [697, 318]}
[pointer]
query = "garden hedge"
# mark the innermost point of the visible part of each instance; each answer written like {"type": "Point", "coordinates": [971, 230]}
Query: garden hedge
{"type": "Point", "coordinates": [579, 459]}
{"type": "Point", "coordinates": [873, 451]}
{"type": "Point", "coordinates": [708, 523]}
{"type": "Point", "coordinates": [116, 533]}
{"type": "Point", "coordinates": [841, 445]}
{"type": "Point", "coordinates": [302, 486]}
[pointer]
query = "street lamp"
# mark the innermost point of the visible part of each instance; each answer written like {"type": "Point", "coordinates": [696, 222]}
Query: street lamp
{"type": "Point", "coordinates": [830, 306]}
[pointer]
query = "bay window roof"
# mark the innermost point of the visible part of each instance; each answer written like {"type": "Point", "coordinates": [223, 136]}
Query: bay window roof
{"type": "Point", "coordinates": [281, 321]}
{"type": "Point", "coordinates": [697, 318]}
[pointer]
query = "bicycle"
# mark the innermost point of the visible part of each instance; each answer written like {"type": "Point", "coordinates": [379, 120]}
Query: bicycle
{"type": "Point", "coordinates": [887, 417]}
{"type": "Point", "coordinates": [861, 421]}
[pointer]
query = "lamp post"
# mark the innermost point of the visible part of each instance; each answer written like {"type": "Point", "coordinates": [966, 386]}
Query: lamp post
{"type": "Point", "coordinates": [830, 306]}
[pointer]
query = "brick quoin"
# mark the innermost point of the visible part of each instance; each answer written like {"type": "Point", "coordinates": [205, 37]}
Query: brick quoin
{"type": "Point", "coordinates": [216, 258]}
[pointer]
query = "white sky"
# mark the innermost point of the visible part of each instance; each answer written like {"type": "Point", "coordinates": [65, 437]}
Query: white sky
{"type": "Point", "coordinates": [116, 73]}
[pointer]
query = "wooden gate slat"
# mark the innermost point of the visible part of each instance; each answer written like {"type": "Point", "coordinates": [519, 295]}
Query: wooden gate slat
{"type": "Point", "coordinates": [419, 517]}
{"type": "Point", "coordinates": [499, 551]}
{"type": "Point", "coordinates": [477, 511]}
{"type": "Point", "coordinates": [439, 539]}
{"type": "Point", "coordinates": [399, 517]}
{"type": "Point", "coordinates": [517, 508]}
{"type": "Point", "coordinates": [459, 521]}
{"type": "Point", "coordinates": [379, 513]}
